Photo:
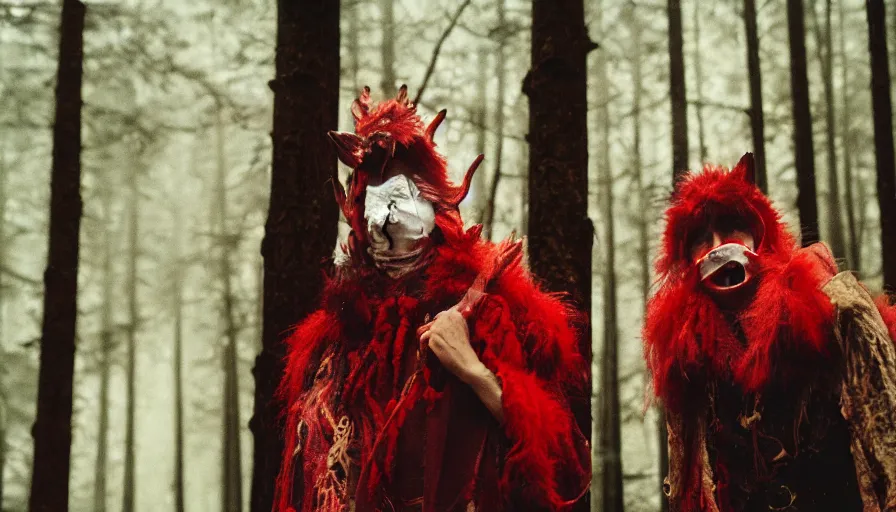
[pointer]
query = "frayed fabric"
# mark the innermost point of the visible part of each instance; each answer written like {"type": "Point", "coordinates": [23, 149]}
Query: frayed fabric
{"type": "Point", "coordinates": [525, 336]}
{"type": "Point", "coordinates": [687, 334]}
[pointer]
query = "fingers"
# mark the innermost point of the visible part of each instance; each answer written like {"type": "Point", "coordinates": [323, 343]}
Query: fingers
{"type": "Point", "coordinates": [423, 329]}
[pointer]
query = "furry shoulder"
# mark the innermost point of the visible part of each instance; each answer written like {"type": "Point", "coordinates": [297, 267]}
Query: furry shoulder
{"type": "Point", "coordinates": [547, 324]}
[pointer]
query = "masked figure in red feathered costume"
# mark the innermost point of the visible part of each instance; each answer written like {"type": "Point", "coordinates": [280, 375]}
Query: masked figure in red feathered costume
{"type": "Point", "coordinates": [777, 374]}
{"type": "Point", "coordinates": [434, 375]}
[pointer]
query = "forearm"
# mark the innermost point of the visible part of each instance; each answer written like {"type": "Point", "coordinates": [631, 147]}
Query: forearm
{"type": "Point", "coordinates": [487, 387]}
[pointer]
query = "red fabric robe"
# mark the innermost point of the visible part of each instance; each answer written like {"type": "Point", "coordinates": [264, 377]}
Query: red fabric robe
{"type": "Point", "coordinates": [397, 440]}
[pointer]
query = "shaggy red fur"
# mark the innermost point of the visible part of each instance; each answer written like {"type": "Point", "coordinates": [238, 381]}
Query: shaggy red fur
{"type": "Point", "coordinates": [525, 336]}
{"type": "Point", "coordinates": [687, 335]}
{"type": "Point", "coordinates": [888, 313]}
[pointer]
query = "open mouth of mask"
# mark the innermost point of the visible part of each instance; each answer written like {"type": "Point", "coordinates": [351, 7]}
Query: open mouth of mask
{"type": "Point", "coordinates": [399, 222]}
{"type": "Point", "coordinates": [726, 267]}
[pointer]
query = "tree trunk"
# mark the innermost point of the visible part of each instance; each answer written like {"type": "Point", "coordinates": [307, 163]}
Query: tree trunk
{"type": "Point", "coordinates": [4, 406]}
{"type": "Point", "coordinates": [677, 92]}
{"type": "Point", "coordinates": [354, 44]}
{"type": "Point", "coordinates": [637, 159]}
{"type": "Point", "coordinates": [105, 352]}
{"type": "Point", "coordinates": [500, 71]}
{"type": "Point", "coordinates": [757, 115]}
{"type": "Point", "coordinates": [862, 221]}
{"type": "Point", "coordinates": [128, 487]}
{"type": "Point", "coordinates": [232, 471]}
{"type": "Point", "coordinates": [300, 232]}
{"type": "Point", "coordinates": [4, 176]}
{"type": "Point", "coordinates": [643, 217]}
{"type": "Point", "coordinates": [178, 306]}
{"type": "Point", "coordinates": [883, 138]}
{"type": "Point", "coordinates": [524, 196]}
{"type": "Point", "coordinates": [698, 76]}
{"type": "Point", "coordinates": [388, 48]}
{"type": "Point", "coordinates": [3, 420]}
{"type": "Point", "coordinates": [608, 435]}
{"type": "Point", "coordinates": [232, 484]}
{"type": "Point", "coordinates": [560, 232]}
{"type": "Point", "coordinates": [826, 59]}
{"type": "Point", "coordinates": [802, 124]}
{"type": "Point", "coordinates": [53, 424]}
{"type": "Point", "coordinates": [680, 151]}
{"type": "Point", "coordinates": [480, 118]}
{"type": "Point", "coordinates": [854, 254]}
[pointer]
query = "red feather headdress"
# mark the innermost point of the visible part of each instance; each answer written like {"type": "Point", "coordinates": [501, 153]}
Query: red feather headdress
{"type": "Point", "coordinates": [392, 130]}
{"type": "Point", "coordinates": [688, 336]}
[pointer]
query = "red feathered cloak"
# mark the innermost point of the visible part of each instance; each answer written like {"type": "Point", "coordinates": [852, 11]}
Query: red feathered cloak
{"type": "Point", "coordinates": [362, 427]}
{"type": "Point", "coordinates": [753, 394]}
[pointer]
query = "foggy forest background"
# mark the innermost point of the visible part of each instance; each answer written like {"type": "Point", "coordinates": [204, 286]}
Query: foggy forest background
{"type": "Point", "coordinates": [176, 176]}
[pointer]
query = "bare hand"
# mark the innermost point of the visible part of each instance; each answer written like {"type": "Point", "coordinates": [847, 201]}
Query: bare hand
{"type": "Point", "coordinates": [449, 339]}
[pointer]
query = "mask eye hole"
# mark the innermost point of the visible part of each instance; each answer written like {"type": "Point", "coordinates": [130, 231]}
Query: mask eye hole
{"type": "Point", "coordinates": [699, 243]}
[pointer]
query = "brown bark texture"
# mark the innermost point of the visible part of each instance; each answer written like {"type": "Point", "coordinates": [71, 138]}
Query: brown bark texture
{"type": "Point", "coordinates": [177, 363]}
{"type": "Point", "coordinates": [608, 433]}
{"type": "Point", "coordinates": [824, 51]}
{"type": "Point", "coordinates": [300, 233]}
{"type": "Point", "coordinates": [757, 117]}
{"type": "Point", "coordinates": [105, 354]}
{"type": "Point", "coordinates": [806, 201]}
{"type": "Point", "coordinates": [387, 46]}
{"type": "Point", "coordinates": [52, 427]}
{"type": "Point", "coordinates": [488, 213]}
{"type": "Point", "coordinates": [846, 140]}
{"type": "Point", "coordinates": [560, 232]}
{"type": "Point", "coordinates": [677, 92]}
{"type": "Point", "coordinates": [232, 477]}
{"type": "Point", "coordinates": [868, 394]}
{"type": "Point", "coordinates": [883, 138]}
{"type": "Point", "coordinates": [134, 233]}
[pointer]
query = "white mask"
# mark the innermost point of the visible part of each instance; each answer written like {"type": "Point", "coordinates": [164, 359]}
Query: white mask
{"type": "Point", "coordinates": [398, 219]}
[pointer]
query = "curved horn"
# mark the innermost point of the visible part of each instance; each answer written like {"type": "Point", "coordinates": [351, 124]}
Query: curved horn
{"type": "Point", "coordinates": [468, 179]}
{"type": "Point", "coordinates": [434, 124]}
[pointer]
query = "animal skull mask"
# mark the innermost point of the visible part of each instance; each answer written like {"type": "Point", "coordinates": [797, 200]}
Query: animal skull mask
{"type": "Point", "coordinates": [398, 221]}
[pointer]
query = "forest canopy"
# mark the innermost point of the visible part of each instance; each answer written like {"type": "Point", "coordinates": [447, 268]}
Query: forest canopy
{"type": "Point", "coordinates": [177, 109]}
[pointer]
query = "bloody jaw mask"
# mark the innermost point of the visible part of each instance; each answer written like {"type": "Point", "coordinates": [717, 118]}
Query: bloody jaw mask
{"type": "Point", "coordinates": [398, 193]}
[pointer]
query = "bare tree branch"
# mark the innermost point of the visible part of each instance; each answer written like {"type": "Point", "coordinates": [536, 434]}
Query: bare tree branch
{"type": "Point", "coordinates": [20, 277]}
{"type": "Point", "coordinates": [720, 106]}
{"type": "Point", "coordinates": [438, 48]}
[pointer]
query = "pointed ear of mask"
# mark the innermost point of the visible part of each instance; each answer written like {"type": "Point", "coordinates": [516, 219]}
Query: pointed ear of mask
{"type": "Point", "coordinates": [746, 168]}
{"type": "Point", "coordinates": [361, 105]}
{"type": "Point", "coordinates": [348, 148]}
